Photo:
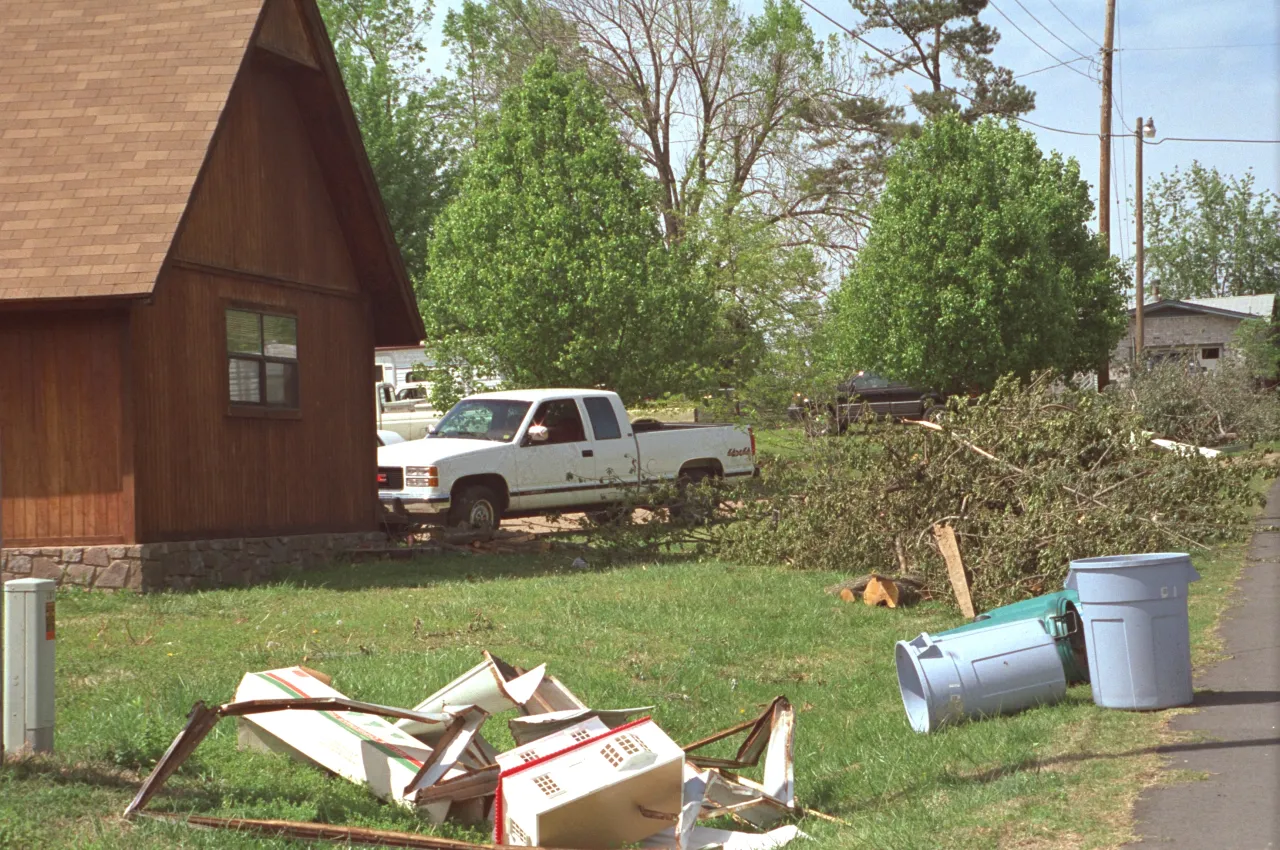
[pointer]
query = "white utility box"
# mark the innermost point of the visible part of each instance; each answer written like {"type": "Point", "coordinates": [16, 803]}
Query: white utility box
{"type": "Point", "coordinates": [28, 665]}
{"type": "Point", "coordinates": [590, 787]}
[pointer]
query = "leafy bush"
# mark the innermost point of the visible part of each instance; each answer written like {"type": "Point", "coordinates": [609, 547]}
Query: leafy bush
{"type": "Point", "coordinates": [1178, 400]}
{"type": "Point", "coordinates": [1030, 477]}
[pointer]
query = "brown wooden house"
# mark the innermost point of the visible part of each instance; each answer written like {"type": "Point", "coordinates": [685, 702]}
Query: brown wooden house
{"type": "Point", "coordinates": [195, 267]}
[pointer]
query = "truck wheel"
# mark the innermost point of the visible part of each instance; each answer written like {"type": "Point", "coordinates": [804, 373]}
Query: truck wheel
{"type": "Point", "coordinates": [681, 508]}
{"type": "Point", "coordinates": [617, 515]}
{"type": "Point", "coordinates": [476, 508]}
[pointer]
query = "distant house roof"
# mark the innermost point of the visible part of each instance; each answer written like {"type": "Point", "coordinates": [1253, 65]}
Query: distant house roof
{"type": "Point", "coordinates": [108, 109]}
{"type": "Point", "coordinates": [1234, 307]}
{"type": "Point", "coordinates": [1251, 305]}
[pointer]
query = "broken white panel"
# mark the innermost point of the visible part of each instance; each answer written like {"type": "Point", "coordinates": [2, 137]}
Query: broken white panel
{"type": "Point", "coordinates": [489, 686]}
{"type": "Point", "coordinates": [705, 838]}
{"type": "Point", "coordinates": [607, 790]}
{"type": "Point", "coordinates": [449, 750]}
{"type": "Point", "coordinates": [531, 727]}
{"type": "Point", "coordinates": [361, 747]}
{"type": "Point", "coordinates": [552, 695]}
{"type": "Point", "coordinates": [692, 794]}
{"type": "Point", "coordinates": [1185, 448]}
{"type": "Point", "coordinates": [779, 771]}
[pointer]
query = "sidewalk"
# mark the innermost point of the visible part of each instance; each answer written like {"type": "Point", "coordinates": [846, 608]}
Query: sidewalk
{"type": "Point", "coordinates": [1237, 727]}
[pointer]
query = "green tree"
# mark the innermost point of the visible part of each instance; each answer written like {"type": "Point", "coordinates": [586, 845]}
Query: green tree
{"type": "Point", "coordinates": [979, 263]}
{"type": "Point", "coordinates": [380, 51]}
{"type": "Point", "coordinates": [1210, 235]}
{"type": "Point", "coordinates": [936, 32]}
{"type": "Point", "coordinates": [550, 265]}
{"type": "Point", "coordinates": [1256, 342]}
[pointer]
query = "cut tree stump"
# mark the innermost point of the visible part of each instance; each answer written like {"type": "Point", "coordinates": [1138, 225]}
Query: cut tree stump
{"type": "Point", "coordinates": [946, 537]}
{"type": "Point", "coordinates": [881, 592]}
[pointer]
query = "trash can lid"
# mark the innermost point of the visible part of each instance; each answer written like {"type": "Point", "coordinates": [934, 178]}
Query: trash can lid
{"type": "Point", "coordinates": [1177, 563]}
{"type": "Point", "coordinates": [1147, 559]}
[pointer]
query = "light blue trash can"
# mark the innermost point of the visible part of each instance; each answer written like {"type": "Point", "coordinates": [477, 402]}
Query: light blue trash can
{"type": "Point", "coordinates": [1001, 669]}
{"type": "Point", "coordinates": [1134, 612]}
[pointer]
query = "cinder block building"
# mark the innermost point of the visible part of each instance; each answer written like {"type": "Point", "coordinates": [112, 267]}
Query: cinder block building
{"type": "Point", "coordinates": [1201, 329]}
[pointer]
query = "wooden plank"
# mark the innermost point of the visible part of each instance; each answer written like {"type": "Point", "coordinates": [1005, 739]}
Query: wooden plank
{"type": "Point", "coordinates": [946, 537]}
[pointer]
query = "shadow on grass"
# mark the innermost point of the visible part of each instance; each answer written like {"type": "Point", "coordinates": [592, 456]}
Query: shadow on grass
{"type": "Point", "coordinates": [428, 570]}
{"type": "Point", "coordinates": [51, 770]}
{"type": "Point", "coordinates": [957, 780]}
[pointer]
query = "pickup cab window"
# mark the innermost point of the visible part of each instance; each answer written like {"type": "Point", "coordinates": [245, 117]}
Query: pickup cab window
{"type": "Point", "coordinates": [483, 419]}
{"type": "Point", "coordinates": [562, 420]}
{"type": "Point", "coordinates": [604, 422]}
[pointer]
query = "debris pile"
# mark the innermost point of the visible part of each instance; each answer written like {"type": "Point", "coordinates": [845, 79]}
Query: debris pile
{"type": "Point", "coordinates": [1019, 481]}
{"type": "Point", "coordinates": [577, 778]}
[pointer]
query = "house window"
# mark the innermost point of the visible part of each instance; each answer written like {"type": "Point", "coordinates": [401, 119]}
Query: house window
{"type": "Point", "coordinates": [262, 359]}
{"type": "Point", "coordinates": [1210, 353]}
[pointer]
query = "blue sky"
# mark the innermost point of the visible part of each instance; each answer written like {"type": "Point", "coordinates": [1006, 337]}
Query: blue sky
{"type": "Point", "coordinates": [1209, 91]}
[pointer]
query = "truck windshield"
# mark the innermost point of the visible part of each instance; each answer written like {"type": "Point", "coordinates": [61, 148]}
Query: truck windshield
{"type": "Point", "coordinates": [483, 419]}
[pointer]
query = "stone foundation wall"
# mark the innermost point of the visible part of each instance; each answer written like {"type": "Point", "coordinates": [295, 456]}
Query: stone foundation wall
{"type": "Point", "coordinates": [198, 564]}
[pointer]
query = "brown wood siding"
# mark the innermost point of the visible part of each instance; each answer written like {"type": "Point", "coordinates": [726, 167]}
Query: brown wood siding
{"type": "Point", "coordinates": [261, 204]}
{"type": "Point", "coordinates": [283, 32]}
{"type": "Point", "coordinates": [65, 474]}
{"type": "Point", "coordinates": [204, 472]}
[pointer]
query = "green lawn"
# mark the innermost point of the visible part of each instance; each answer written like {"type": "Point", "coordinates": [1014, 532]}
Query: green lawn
{"type": "Point", "coordinates": [706, 643]}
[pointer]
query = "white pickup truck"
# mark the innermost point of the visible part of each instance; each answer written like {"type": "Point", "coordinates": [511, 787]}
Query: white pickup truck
{"type": "Point", "coordinates": [506, 454]}
{"type": "Point", "coordinates": [412, 417]}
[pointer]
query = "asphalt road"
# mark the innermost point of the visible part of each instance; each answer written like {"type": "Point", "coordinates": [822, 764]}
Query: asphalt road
{"type": "Point", "coordinates": [1237, 728]}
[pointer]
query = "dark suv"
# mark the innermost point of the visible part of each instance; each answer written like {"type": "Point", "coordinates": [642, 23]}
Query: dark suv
{"type": "Point", "coordinates": [865, 391]}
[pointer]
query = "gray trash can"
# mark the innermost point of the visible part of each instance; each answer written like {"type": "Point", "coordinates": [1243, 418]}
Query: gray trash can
{"type": "Point", "coordinates": [1134, 611]}
{"type": "Point", "coordinates": [1001, 669]}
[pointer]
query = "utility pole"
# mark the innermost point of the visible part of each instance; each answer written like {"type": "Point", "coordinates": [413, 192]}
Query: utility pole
{"type": "Point", "coordinates": [1104, 158]}
{"type": "Point", "coordinates": [1138, 249]}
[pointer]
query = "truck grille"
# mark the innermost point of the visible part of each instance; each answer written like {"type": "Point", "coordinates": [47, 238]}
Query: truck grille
{"type": "Point", "coordinates": [390, 478]}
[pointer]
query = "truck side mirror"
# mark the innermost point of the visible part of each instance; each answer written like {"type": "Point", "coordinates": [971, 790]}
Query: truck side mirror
{"type": "Point", "coordinates": [538, 433]}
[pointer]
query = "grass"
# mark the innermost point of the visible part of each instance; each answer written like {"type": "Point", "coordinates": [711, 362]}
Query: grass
{"type": "Point", "coordinates": [706, 643]}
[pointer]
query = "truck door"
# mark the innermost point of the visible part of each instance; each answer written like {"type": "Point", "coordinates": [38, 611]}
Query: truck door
{"type": "Point", "coordinates": [561, 470]}
{"type": "Point", "coordinates": [615, 448]}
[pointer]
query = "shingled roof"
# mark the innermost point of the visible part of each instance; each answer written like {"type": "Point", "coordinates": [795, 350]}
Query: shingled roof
{"type": "Point", "coordinates": [107, 111]}
{"type": "Point", "coordinates": [107, 108]}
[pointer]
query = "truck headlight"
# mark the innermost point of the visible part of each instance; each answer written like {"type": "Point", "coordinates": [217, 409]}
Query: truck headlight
{"type": "Point", "coordinates": [422, 476]}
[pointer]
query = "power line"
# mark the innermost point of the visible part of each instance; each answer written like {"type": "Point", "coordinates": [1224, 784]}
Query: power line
{"type": "Point", "coordinates": [1207, 46]}
{"type": "Point", "coordinates": [1019, 118]}
{"type": "Point", "coordinates": [922, 75]}
{"type": "Point", "coordinates": [1230, 141]}
{"type": "Point", "coordinates": [1074, 24]}
{"type": "Point", "coordinates": [1049, 31]}
{"type": "Point", "coordinates": [1043, 49]}
{"type": "Point", "coordinates": [1051, 67]}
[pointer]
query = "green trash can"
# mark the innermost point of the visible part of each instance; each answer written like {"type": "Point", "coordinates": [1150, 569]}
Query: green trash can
{"type": "Point", "coordinates": [1060, 614]}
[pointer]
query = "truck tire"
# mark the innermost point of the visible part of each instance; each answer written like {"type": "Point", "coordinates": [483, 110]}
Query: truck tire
{"type": "Point", "coordinates": [681, 509]}
{"type": "Point", "coordinates": [476, 508]}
